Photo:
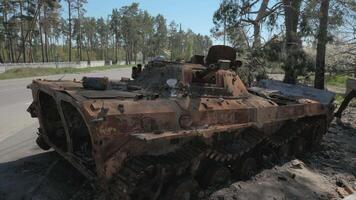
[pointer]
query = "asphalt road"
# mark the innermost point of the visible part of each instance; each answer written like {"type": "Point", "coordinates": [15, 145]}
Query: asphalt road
{"type": "Point", "coordinates": [18, 151]}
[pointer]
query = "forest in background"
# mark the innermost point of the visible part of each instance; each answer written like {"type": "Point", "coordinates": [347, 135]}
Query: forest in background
{"type": "Point", "coordinates": [40, 31]}
{"type": "Point", "coordinates": [293, 36]}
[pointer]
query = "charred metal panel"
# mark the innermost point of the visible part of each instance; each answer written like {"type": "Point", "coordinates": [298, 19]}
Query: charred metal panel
{"type": "Point", "coordinates": [299, 91]}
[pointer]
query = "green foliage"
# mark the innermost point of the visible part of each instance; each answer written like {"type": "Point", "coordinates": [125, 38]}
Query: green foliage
{"type": "Point", "coordinates": [183, 45]}
{"type": "Point", "coordinates": [309, 23]}
{"type": "Point", "coordinates": [238, 21]}
{"type": "Point", "coordinates": [340, 97]}
{"type": "Point", "coordinates": [129, 34]}
{"type": "Point", "coordinates": [159, 35]}
{"type": "Point", "coordinates": [337, 80]}
{"type": "Point", "coordinates": [227, 24]}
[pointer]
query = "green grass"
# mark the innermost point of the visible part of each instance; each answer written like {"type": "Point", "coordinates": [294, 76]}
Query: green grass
{"type": "Point", "coordinates": [340, 97]}
{"type": "Point", "coordinates": [31, 72]}
{"type": "Point", "coordinates": [337, 80]}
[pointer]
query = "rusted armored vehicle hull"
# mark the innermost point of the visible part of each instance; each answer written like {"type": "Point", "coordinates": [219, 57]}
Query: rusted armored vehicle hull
{"type": "Point", "coordinates": [148, 139]}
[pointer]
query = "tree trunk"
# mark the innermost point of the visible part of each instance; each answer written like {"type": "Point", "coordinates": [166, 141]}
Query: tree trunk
{"type": "Point", "coordinates": [69, 31]}
{"type": "Point", "coordinates": [29, 33]}
{"type": "Point", "coordinates": [321, 47]}
{"type": "Point", "coordinates": [116, 47]}
{"type": "Point", "coordinates": [1, 59]}
{"type": "Point", "coordinates": [171, 54]}
{"type": "Point", "coordinates": [291, 11]}
{"type": "Point", "coordinates": [257, 24]}
{"type": "Point", "coordinates": [22, 35]}
{"type": "Point", "coordinates": [33, 49]}
{"type": "Point", "coordinates": [45, 29]}
{"type": "Point", "coordinates": [2, 55]}
{"type": "Point", "coordinates": [91, 49]}
{"type": "Point", "coordinates": [30, 53]}
{"type": "Point", "coordinates": [6, 34]}
{"type": "Point", "coordinates": [256, 35]}
{"type": "Point", "coordinates": [11, 51]}
{"type": "Point", "coordinates": [79, 34]}
{"type": "Point", "coordinates": [106, 50]}
{"type": "Point", "coordinates": [102, 49]}
{"type": "Point", "coordinates": [132, 53]}
{"type": "Point", "coordinates": [8, 38]}
{"type": "Point", "coordinates": [51, 54]}
{"type": "Point", "coordinates": [128, 52]}
{"type": "Point", "coordinates": [41, 36]}
{"type": "Point", "coordinates": [88, 54]}
{"type": "Point", "coordinates": [126, 55]}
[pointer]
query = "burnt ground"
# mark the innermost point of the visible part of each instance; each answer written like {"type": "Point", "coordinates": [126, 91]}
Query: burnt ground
{"type": "Point", "coordinates": [42, 176]}
{"type": "Point", "coordinates": [317, 175]}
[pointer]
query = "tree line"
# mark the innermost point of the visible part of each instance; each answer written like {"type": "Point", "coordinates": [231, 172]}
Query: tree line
{"type": "Point", "coordinates": [291, 26]}
{"type": "Point", "coordinates": [39, 31]}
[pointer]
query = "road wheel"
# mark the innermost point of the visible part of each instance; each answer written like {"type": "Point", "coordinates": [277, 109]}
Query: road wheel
{"type": "Point", "coordinates": [216, 175]}
{"type": "Point", "coordinates": [183, 189]}
{"type": "Point", "coordinates": [267, 157]}
{"type": "Point", "coordinates": [42, 143]}
{"type": "Point", "coordinates": [150, 185]}
{"type": "Point", "coordinates": [298, 146]}
{"type": "Point", "coordinates": [317, 134]}
{"type": "Point", "coordinates": [283, 151]}
{"type": "Point", "coordinates": [246, 168]}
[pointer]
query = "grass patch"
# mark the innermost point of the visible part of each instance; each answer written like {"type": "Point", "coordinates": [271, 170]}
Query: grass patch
{"type": "Point", "coordinates": [337, 80]}
{"type": "Point", "coordinates": [31, 72]}
{"type": "Point", "coordinates": [340, 97]}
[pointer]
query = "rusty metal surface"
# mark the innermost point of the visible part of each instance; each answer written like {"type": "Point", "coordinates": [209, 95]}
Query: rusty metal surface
{"type": "Point", "coordinates": [167, 109]}
{"type": "Point", "coordinates": [220, 52]}
{"type": "Point", "coordinates": [299, 91]}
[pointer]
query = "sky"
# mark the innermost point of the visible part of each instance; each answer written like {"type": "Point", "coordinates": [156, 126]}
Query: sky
{"type": "Point", "coordinates": [194, 14]}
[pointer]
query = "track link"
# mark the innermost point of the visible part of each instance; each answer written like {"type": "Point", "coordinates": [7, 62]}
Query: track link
{"type": "Point", "coordinates": [148, 177]}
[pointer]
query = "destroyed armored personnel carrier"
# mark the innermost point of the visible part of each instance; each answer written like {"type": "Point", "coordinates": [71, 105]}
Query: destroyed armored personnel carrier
{"type": "Point", "coordinates": [176, 127]}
